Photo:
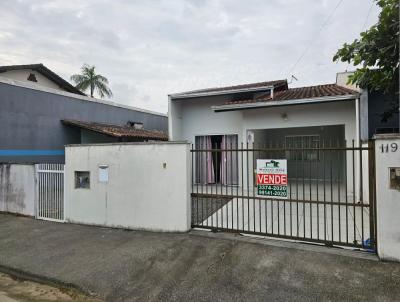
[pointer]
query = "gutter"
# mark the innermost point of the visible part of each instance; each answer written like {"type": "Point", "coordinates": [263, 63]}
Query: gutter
{"type": "Point", "coordinates": [232, 107]}
{"type": "Point", "coordinates": [200, 94]}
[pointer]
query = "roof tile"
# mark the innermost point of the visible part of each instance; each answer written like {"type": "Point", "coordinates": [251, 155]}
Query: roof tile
{"type": "Point", "coordinates": [309, 92]}
{"type": "Point", "coordinates": [117, 130]}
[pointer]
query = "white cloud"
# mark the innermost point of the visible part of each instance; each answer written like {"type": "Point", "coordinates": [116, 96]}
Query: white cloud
{"type": "Point", "coordinates": [149, 49]}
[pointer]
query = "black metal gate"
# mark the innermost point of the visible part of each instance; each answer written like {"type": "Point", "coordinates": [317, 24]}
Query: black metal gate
{"type": "Point", "coordinates": [330, 199]}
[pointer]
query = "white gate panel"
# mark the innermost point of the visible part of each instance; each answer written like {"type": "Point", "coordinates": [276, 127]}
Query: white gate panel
{"type": "Point", "coordinates": [50, 192]}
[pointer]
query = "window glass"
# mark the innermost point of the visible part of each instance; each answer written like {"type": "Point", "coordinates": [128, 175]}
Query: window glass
{"type": "Point", "coordinates": [302, 142]}
{"type": "Point", "coordinates": [82, 180]}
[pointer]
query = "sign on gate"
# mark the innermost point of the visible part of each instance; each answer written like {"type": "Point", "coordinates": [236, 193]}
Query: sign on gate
{"type": "Point", "coordinates": [272, 177]}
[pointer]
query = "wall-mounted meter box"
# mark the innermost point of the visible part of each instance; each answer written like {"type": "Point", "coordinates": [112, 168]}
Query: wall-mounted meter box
{"type": "Point", "coordinates": [394, 178]}
{"type": "Point", "coordinates": [103, 173]}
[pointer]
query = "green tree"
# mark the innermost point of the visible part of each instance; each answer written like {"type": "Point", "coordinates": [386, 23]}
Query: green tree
{"type": "Point", "coordinates": [88, 79]}
{"type": "Point", "coordinates": [377, 53]}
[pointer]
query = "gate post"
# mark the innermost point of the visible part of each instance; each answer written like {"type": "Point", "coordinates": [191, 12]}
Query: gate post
{"type": "Point", "coordinates": [387, 164]}
{"type": "Point", "coordinates": [36, 198]}
{"type": "Point", "coordinates": [372, 193]}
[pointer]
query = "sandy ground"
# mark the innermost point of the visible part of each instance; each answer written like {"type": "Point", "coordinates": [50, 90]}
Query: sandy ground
{"type": "Point", "coordinates": [15, 290]}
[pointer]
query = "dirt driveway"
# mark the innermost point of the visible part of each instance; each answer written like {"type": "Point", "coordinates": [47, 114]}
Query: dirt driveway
{"type": "Point", "coordinates": [121, 265]}
{"type": "Point", "coordinates": [17, 290]}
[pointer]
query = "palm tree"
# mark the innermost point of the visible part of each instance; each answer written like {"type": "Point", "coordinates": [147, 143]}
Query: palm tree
{"type": "Point", "coordinates": [89, 79]}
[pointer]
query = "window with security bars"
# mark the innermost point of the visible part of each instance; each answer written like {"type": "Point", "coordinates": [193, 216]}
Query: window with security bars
{"type": "Point", "coordinates": [300, 142]}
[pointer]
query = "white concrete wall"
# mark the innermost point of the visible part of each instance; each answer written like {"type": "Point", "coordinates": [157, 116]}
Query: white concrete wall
{"type": "Point", "coordinates": [17, 189]}
{"type": "Point", "coordinates": [142, 192]}
{"type": "Point", "coordinates": [174, 120]}
{"type": "Point", "coordinates": [22, 75]}
{"type": "Point", "coordinates": [342, 79]}
{"type": "Point", "coordinates": [387, 200]}
{"type": "Point", "coordinates": [335, 113]}
{"type": "Point", "coordinates": [197, 119]}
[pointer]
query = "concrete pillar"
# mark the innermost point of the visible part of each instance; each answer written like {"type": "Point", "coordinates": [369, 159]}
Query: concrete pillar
{"type": "Point", "coordinates": [387, 156]}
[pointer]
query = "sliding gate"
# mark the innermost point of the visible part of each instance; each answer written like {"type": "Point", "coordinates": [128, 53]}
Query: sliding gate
{"type": "Point", "coordinates": [50, 192]}
{"type": "Point", "coordinates": [330, 192]}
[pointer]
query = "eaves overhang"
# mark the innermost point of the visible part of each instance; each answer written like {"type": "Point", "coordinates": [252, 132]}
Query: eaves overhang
{"type": "Point", "coordinates": [213, 93]}
{"type": "Point", "coordinates": [278, 103]}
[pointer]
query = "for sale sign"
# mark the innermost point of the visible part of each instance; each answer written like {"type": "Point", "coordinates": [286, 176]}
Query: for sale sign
{"type": "Point", "coordinates": [272, 177]}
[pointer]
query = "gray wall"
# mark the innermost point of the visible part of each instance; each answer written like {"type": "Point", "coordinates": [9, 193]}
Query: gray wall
{"type": "Point", "coordinates": [30, 120]}
{"type": "Point", "coordinates": [17, 189]}
{"type": "Point", "coordinates": [373, 104]}
{"type": "Point", "coordinates": [91, 137]}
{"type": "Point", "coordinates": [378, 103]}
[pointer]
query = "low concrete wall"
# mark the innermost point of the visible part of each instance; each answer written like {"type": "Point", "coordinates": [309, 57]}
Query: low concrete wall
{"type": "Point", "coordinates": [387, 199]}
{"type": "Point", "coordinates": [148, 186]}
{"type": "Point", "coordinates": [17, 189]}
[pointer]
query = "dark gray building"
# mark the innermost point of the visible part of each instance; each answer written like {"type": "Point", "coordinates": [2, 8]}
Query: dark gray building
{"type": "Point", "coordinates": [32, 128]}
{"type": "Point", "coordinates": [379, 104]}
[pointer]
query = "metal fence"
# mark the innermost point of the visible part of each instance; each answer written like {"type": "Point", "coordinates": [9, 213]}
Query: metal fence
{"type": "Point", "coordinates": [50, 192]}
{"type": "Point", "coordinates": [330, 192]}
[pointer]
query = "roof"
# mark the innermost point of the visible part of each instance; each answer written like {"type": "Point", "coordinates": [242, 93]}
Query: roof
{"type": "Point", "coordinates": [309, 92]}
{"type": "Point", "coordinates": [74, 96]}
{"type": "Point", "coordinates": [234, 89]}
{"type": "Point", "coordinates": [118, 130]}
{"type": "Point", "coordinates": [45, 72]}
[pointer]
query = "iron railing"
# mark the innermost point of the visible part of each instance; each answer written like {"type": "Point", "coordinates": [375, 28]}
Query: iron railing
{"type": "Point", "coordinates": [331, 193]}
{"type": "Point", "coordinates": [50, 192]}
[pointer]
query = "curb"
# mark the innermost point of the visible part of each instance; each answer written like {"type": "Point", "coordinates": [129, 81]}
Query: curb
{"type": "Point", "coordinates": [280, 243]}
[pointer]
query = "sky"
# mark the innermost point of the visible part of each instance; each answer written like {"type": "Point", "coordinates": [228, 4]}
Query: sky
{"type": "Point", "coordinates": [151, 48]}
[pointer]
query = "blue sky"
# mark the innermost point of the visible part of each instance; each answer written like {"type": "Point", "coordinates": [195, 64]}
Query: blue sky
{"type": "Point", "coordinates": [148, 49]}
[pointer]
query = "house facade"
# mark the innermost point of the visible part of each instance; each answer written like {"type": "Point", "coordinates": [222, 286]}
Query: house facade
{"type": "Point", "coordinates": [265, 115]}
{"type": "Point", "coordinates": [38, 75]}
{"type": "Point", "coordinates": [265, 112]}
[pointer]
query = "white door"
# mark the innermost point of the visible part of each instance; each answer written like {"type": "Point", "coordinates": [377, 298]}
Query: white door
{"type": "Point", "coordinates": [50, 192]}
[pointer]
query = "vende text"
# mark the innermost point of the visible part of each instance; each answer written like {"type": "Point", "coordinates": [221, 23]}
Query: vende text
{"type": "Point", "coordinates": [272, 179]}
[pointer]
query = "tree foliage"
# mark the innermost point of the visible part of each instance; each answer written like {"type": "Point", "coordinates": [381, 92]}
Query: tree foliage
{"type": "Point", "coordinates": [88, 79]}
{"type": "Point", "coordinates": [376, 52]}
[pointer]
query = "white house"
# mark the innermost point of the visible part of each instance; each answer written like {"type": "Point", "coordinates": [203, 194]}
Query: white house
{"type": "Point", "coordinates": [316, 129]}
{"type": "Point", "coordinates": [267, 109]}
{"type": "Point", "coordinates": [266, 114]}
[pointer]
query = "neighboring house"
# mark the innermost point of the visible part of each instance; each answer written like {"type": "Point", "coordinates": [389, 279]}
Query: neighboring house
{"type": "Point", "coordinates": [92, 132]}
{"type": "Point", "coordinates": [373, 104]}
{"type": "Point", "coordinates": [39, 75]}
{"type": "Point", "coordinates": [36, 122]}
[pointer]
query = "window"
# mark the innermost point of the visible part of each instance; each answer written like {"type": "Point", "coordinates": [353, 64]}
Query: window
{"type": "Point", "coordinates": [82, 180]}
{"type": "Point", "coordinates": [302, 141]}
{"type": "Point", "coordinates": [32, 77]}
{"type": "Point", "coordinates": [219, 166]}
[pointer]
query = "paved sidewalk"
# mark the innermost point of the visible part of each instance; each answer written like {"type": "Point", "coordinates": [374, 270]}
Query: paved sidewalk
{"type": "Point", "coordinates": [121, 265]}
